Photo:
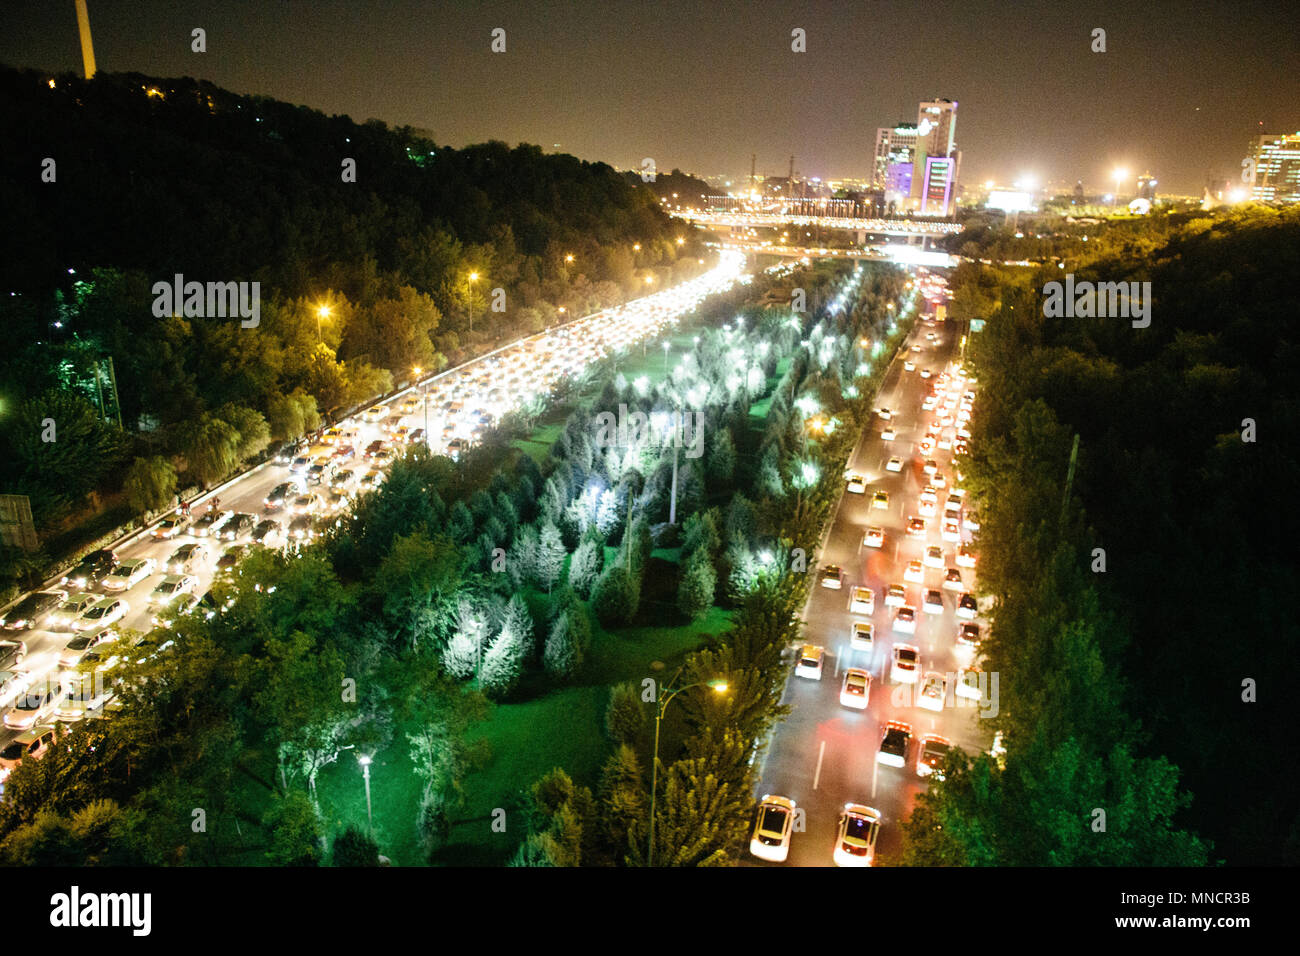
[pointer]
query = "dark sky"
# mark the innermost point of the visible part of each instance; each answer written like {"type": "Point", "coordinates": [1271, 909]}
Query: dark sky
{"type": "Point", "coordinates": [702, 86]}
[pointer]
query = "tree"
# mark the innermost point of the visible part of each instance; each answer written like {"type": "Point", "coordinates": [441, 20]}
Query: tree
{"type": "Point", "coordinates": [695, 591]}
{"type": "Point", "coordinates": [519, 620]}
{"type": "Point", "coordinates": [585, 566]}
{"type": "Point", "coordinates": [503, 664]}
{"type": "Point", "coordinates": [355, 848]}
{"type": "Point", "coordinates": [625, 716]}
{"type": "Point", "coordinates": [150, 484]}
{"type": "Point", "coordinates": [211, 448]}
{"type": "Point", "coordinates": [460, 523]}
{"type": "Point", "coordinates": [561, 657]}
{"type": "Point", "coordinates": [624, 806]}
{"type": "Point", "coordinates": [550, 555]}
{"type": "Point", "coordinates": [293, 831]}
{"type": "Point", "coordinates": [251, 427]}
{"type": "Point", "coordinates": [616, 596]}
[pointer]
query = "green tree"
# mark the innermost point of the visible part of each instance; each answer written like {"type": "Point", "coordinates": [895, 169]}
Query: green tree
{"type": "Point", "coordinates": [354, 848]}
{"type": "Point", "coordinates": [150, 484]}
{"type": "Point", "coordinates": [211, 448]}
{"type": "Point", "coordinates": [625, 715]}
{"type": "Point", "coordinates": [695, 592]}
{"type": "Point", "coordinates": [293, 831]}
{"type": "Point", "coordinates": [550, 555]}
{"type": "Point", "coordinates": [561, 657]}
{"type": "Point", "coordinates": [616, 596]}
{"type": "Point", "coordinates": [585, 566]}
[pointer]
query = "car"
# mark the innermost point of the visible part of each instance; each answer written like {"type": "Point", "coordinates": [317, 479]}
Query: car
{"type": "Point", "coordinates": [926, 373]}
{"type": "Point", "coordinates": [236, 526]}
{"type": "Point", "coordinates": [952, 506]}
{"type": "Point", "coordinates": [932, 602]}
{"type": "Point", "coordinates": [342, 478]}
{"type": "Point", "coordinates": [968, 683]}
{"type": "Point", "coordinates": [885, 413]}
{"type": "Point", "coordinates": [906, 662]}
{"type": "Point", "coordinates": [934, 750]}
{"type": "Point", "coordinates": [13, 683]}
{"type": "Point", "coordinates": [928, 403]}
{"type": "Point", "coordinates": [930, 466]}
{"type": "Point", "coordinates": [204, 527]}
{"type": "Point", "coordinates": [170, 588]}
{"type": "Point", "coordinates": [914, 572]}
{"type": "Point", "coordinates": [101, 614]}
{"type": "Point", "coordinates": [909, 366]}
{"type": "Point", "coordinates": [320, 472]}
{"type": "Point", "coordinates": [336, 499]}
{"type": "Point", "coordinates": [856, 689]}
{"type": "Point", "coordinates": [343, 452]}
{"type": "Point", "coordinates": [151, 646]}
{"type": "Point", "coordinates": [968, 633]}
{"type": "Point", "coordinates": [970, 521]}
{"type": "Point", "coordinates": [934, 688]}
{"type": "Point", "coordinates": [233, 554]}
{"type": "Point", "coordinates": [862, 601]}
{"type": "Point", "coordinates": [832, 576]}
{"type": "Point", "coordinates": [965, 557]}
{"type": "Point", "coordinates": [880, 500]}
{"type": "Point", "coordinates": [302, 528]}
{"type": "Point", "coordinates": [926, 444]}
{"type": "Point", "coordinates": [170, 526]}
{"type": "Point", "coordinates": [281, 495]}
{"type": "Point", "coordinates": [31, 744]}
{"type": "Point", "coordinates": [267, 532]}
{"type": "Point", "coordinates": [888, 433]}
{"type": "Point", "coordinates": [896, 595]}
{"type": "Point", "coordinates": [894, 464]}
{"type": "Point", "coordinates": [933, 557]}
{"type": "Point", "coordinates": [772, 829]}
{"type": "Point", "coordinates": [187, 559]}
{"type": "Point", "coordinates": [76, 648]}
{"type": "Point", "coordinates": [952, 580]}
{"type": "Point", "coordinates": [90, 570]}
{"type": "Point", "coordinates": [374, 448]}
{"type": "Point", "coordinates": [31, 610]}
{"type": "Point", "coordinates": [951, 531]}
{"type": "Point", "coordinates": [893, 744]}
{"type": "Point", "coordinates": [34, 706]}
{"type": "Point", "coordinates": [72, 608]}
{"type": "Point", "coordinates": [855, 841]}
{"type": "Point", "coordinates": [128, 574]}
{"type": "Point", "coordinates": [905, 619]}
{"type": "Point", "coordinates": [166, 614]}
{"type": "Point", "coordinates": [862, 636]}
{"type": "Point", "coordinates": [856, 484]}
{"type": "Point", "coordinates": [967, 606]}
{"type": "Point", "coordinates": [375, 414]}
{"type": "Point", "coordinates": [300, 464]}
{"type": "Point", "coordinates": [926, 508]}
{"type": "Point", "coordinates": [915, 527]}
{"type": "Point", "coordinates": [811, 658]}
{"type": "Point", "coordinates": [331, 436]}
{"type": "Point", "coordinates": [304, 503]}
{"type": "Point", "coordinates": [371, 479]}
{"type": "Point", "coordinates": [416, 437]}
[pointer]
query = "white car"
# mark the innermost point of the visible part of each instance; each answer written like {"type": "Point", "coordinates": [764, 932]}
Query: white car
{"type": "Point", "coordinates": [905, 620]}
{"type": "Point", "coordinates": [811, 659]}
{"type": "Point", "coordinates": [170, 588]}
{"type": "Point", "coordinates": [87, 697]}
{"type": "Point", "coordinates": [951, 531]}
{"type": "Point", "coordinates": [926, 373]}
{"type": "Point", "coordinates": [855, 842]}
{"type": "Point", "coordinates": [857, 485]}
{"type": "Point", "coordinates": [965, 557]}
{"type": "Point", "coordinates": [856, 689]}
{"type": "Point", "coordinates": [914, 572]}
{"type": "Point", "coordinates": [930, 466]}
{"type": "Point", "coordinates": [887, 433]}
{"type": "Point", "coordinates": [12, 684]}
{"type": "Point", "coordinates": [103, 613]}
{"type": "Point", "coordinates": [953, 505]}
{"type": "Point", "coordinates": [880, 500]}
{"type": "Point", "coordinates": [934, 688]}
{"type": "Point", "coordinates": [832, 576]}
{"type": "Point", "coordinates": [893, 744]}
{"type": "Point", "coordinates": [925, 508]}
{"type": "Point", "coordinates": [34, 706]}
{"type": "Point", "coordinates": [894, 464]}
{"type": "Point", "coordinates": [933, 751]}
{"type": "Point", "coordinates": [968, 683]}
{"type": "Point", "coordinates": [909, 366]}
{"type": "Point", "coordinates": [932, 602]}
{"type": "Point", "coordinates": [906, 663]}
{"type": "Point", "coordinates": [896, 596]}
{"type": "Point", "coordinates": [72, 609]}
{"type": "Point", "coordinates": [78, 647]}
{"type": "Point", "coordinates": [885, 413]}
{"type": "Point", "coordinates": [862, 636]}
{"type": "Point", "coordinates": [862, 601]}
{"type": "Point", "coordinates": [968, 633]}
{"type": "Point", "coordinates": [970, 522]}
{"type": "Point", "coordinates": [874, 538]}
{"type": "Point", "coordinates": [937, 479]}
{"type": "Point", "coordinates": [933, 557]}
{"type": "Point", "coordinates": [128, 574]}
{"type": "Point", "coordinates": [771, 837]}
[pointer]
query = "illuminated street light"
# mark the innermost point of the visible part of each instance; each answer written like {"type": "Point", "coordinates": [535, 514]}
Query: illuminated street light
{"type": "Point", "coordinates": [718, 686]}
{"type": "Point", "coordinates": [365, 771]}
{"type": "Point", "coordinates": [322, 312]}
{"type": "Point", "coordinates": [1120, 175]}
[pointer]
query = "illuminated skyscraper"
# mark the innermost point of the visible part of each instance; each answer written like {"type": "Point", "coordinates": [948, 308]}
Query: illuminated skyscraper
{"type": "Point", "coordinates": [1277, 168]}
{"type": "Point", "coordinates": [934, 176]}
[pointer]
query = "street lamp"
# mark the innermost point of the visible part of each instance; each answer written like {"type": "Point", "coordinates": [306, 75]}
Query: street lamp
{"type": "Point", "coordinates": [322, 312]}
{"type": "Point", "coordinates": [365, 771]}
{"type": "Point", "coordinates": [1120, 176]}
{"type": "Point", "coordinates": [719, 687]}
{"type": "Point", "coordinates": [473, 277]}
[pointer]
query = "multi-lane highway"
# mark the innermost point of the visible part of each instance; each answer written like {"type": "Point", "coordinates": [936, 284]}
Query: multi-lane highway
{"type": "Point", "coordinates": [824, 754]}
{"type": "Point", "coordinates": [453, 408]}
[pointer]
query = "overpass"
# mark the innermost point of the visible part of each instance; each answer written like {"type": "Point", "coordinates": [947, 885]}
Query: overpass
{"type": "Point", "coordinates": [864, 226]}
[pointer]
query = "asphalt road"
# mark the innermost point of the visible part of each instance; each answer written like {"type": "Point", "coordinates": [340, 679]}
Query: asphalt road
{"type": "Point", "coordinates": [824, 754]}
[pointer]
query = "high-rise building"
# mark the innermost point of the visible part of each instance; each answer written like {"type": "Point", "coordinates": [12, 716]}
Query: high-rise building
{"type": "Point", "coordinates": [1277, 168]}
{"type": "Point", "coordinates": [1147, 187]}
{"type": "Point", "coordinates": [935, 167]}
{"type": "Point", "coordinates": [895, 158]}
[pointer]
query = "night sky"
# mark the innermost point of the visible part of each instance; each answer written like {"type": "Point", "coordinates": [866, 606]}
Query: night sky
{"type": "Point", "coordinates": [702, 86]}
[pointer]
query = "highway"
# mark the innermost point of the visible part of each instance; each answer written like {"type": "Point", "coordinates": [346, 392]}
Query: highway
{"type": "Point", "coordinates": [493, 384]}
{"type": "Point", "coordinates": [823, 754]}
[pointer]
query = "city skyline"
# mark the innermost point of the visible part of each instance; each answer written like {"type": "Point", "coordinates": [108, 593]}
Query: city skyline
{"type": "Point", "coordinates": [1126, 107]}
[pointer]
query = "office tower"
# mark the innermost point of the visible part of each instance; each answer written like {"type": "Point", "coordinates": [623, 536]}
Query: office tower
{"type": "Point", "coordinates": [1277, 168]}
{"type": "Point", "coordinates": [1147, 187]}
{"type": "Point", "coordinates": [936, 162]}
{"type": "Point", "coordinates": [895, 156]}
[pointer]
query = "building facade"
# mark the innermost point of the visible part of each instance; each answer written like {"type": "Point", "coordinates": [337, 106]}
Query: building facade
{"type": "Point", "coordinates": [1277, 168]}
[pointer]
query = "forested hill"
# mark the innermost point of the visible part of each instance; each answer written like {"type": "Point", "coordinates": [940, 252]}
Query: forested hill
{"type": "Point", "coordinates": [179, 175]}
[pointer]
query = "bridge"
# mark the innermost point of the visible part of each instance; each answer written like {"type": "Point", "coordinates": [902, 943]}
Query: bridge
{"type": "Point", "coordinates": [727, 212]}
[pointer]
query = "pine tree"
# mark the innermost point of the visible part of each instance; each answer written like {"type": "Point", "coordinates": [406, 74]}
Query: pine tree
{"type": "Point", "coordinates": [561, 658]}
{"type": "Point", "coordinates": [585, 566]}
{"type": "Point", "coordinates": [550, 555]}
{"type": "Point", "coordinates": [460, 523]}
{"type": "Point", "coordinates": [695, 591]}
{"type": "Point", "coordinates": [616, 596]}
{"type": "Point", "coordinates": [625, 717]}
{"type": "Point", "coordinates": [503, 663]}
{"type": "Point", "coordinates": [519, 620]}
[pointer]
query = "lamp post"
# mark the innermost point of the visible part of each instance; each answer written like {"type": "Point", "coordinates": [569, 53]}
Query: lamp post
{"type": "Point", "coordinates": [719, 687]}
{"type": "Point", "coordinates": [365, 772]}
{"type": "Point", "coordinates": [322, 312]}
{"type": "Point", "coordinates": [473, 277]}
